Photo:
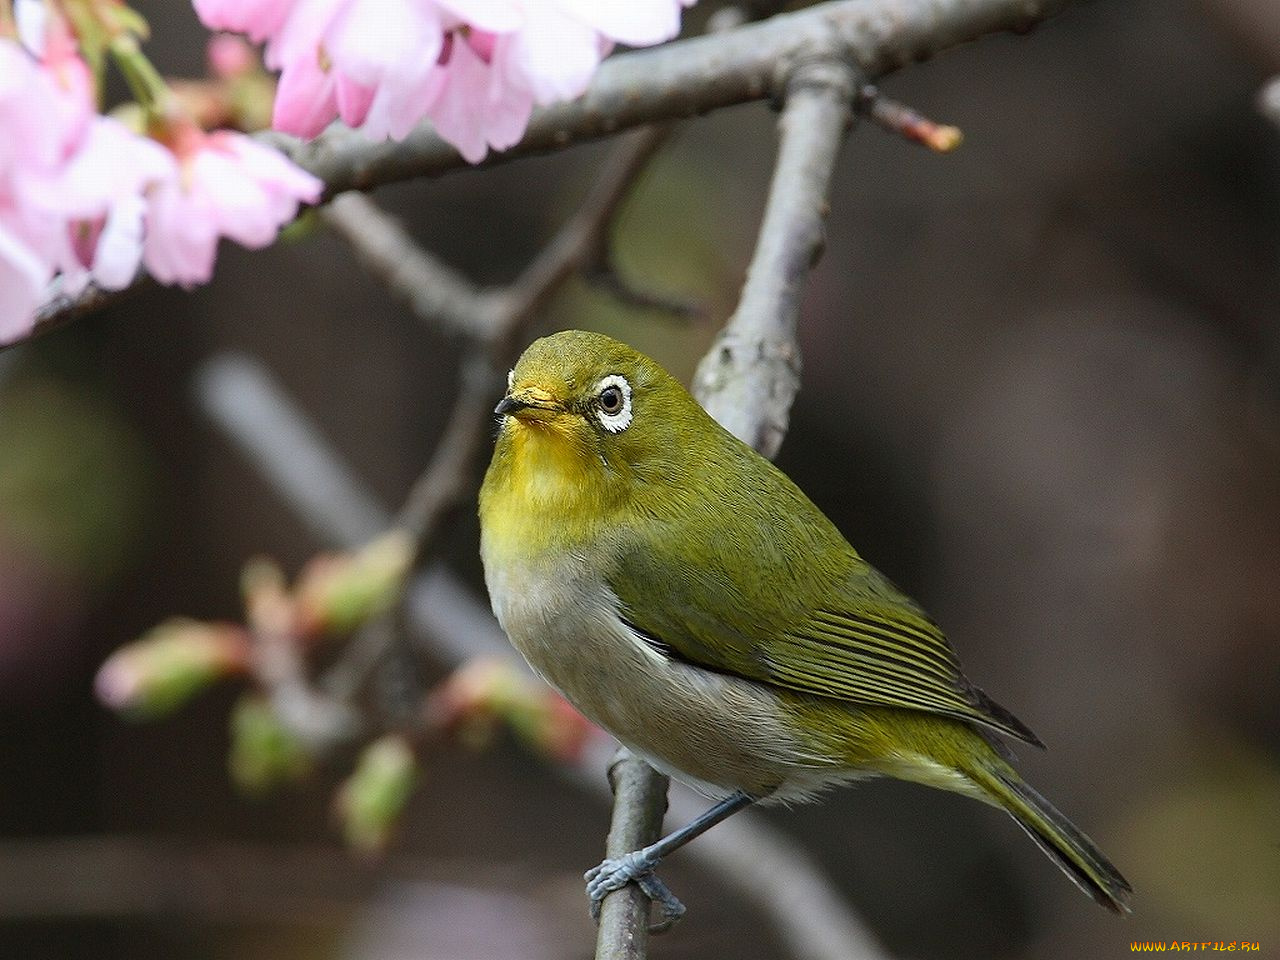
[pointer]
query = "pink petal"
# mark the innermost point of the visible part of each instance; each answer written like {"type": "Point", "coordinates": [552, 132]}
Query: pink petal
{"type": "Point", "coordinates": [119, 249]}
{"type": "Point", "coordinates": [462, 103]}
{"type": "Point", "coordinates": [181, 239]}
{"type": "Point", "coordinates": [375, 39]}
{"type": "Point", "coordinates": [401, 102]}
{"type": "Point", "coordinates": [497, 16]}
{"type": "Point", "coordinates": [257, 18]}
{"type": "Point", "coordinates": [111, 163]}
{"type": "Point", "coordinates": [637, 23]}
{"type": "Point", "coordinates": [305, 99]}
{"type": "Point", "coordinates": [23, 276]}
{"type": "Point", "coordinates": [353, 100]}
{"type": "Point", "coordinates": [554, 57]}
{"type": "Point", "coordinates": [31, 18]}
{"type": "Point", "coordinates": [303, 32]}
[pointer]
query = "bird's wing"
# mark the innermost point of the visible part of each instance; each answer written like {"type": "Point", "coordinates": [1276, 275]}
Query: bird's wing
{"type": "Point", "coordinates": [855, 638]}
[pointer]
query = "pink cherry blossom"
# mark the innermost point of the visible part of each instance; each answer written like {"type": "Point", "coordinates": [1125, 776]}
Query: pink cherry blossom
{"type": "Point", "coordinates": [23, 275]}
{"type": "Point", "coordinates": [224, 185]}
{"type": "Point", "coordinates": [68, 179]}
{"type": "Point", "coordinates": [475, 68]}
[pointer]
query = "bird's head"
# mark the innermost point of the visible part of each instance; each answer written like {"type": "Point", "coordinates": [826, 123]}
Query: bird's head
{"type": "Point", "coordinates": [583, 409]}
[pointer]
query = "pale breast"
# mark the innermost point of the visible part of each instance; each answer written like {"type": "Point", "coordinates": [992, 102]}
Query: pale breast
{"type": "Point", "coordinates": [719, 733]}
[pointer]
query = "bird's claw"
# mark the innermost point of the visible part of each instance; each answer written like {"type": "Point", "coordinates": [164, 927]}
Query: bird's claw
{"type": "Point", "coordinates": [616, 873]}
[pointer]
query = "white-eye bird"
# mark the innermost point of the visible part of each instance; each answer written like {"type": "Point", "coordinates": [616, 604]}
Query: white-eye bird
{"type": "Point", "coordinates": [685, 595]}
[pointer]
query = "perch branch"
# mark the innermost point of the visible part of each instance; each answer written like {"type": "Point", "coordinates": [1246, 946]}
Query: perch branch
{"type": "Point", "coordinates": [688, 78]}
{"type": "Point", "coordinates": [674, 81]}
{"type": "Point", "coordinates": [639, 801]}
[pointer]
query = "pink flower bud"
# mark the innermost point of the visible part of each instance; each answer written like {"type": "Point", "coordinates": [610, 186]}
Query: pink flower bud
{"type": "Point", "coordinates": [169, 665]}
{"type": "Point", "coordinates": [229, 56]}
{"type": "Point", "coordinates": [336, 593]}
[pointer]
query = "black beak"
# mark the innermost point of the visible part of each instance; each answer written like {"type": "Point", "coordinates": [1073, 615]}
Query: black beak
{"type": "Point", "coordinates": [509, 404]}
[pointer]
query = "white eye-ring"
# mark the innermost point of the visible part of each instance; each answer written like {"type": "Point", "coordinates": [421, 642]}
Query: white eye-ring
{"type": "Point", "coordinates": [613, 403]}
{"type": "Point", "coordinates": [511, 378]}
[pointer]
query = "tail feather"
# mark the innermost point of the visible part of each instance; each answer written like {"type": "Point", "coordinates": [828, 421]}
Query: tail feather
{"type": "Point", "coordinates": [1077, 855]}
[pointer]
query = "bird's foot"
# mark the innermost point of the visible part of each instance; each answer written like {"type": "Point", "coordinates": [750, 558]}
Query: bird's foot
{"type": "Point", "coordinates": [637, 868]}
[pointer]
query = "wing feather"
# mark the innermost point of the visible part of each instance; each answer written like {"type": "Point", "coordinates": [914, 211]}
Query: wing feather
{"type": "Point", "coordinates": [866, 642]}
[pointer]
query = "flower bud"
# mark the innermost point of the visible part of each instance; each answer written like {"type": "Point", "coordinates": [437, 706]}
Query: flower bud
{"type": "Point", "coordinates": [230, 56]}
{"type": "Point", "coordinates": [264, 753]}
{"type": "Point", "coordinates": [370, 802]}
{"type": "Point", "coordinates": [169, 665]}
{"type": "Point", "coordinates": [336, 593]}
{"type": "Point", "coordinates": [490, 689]}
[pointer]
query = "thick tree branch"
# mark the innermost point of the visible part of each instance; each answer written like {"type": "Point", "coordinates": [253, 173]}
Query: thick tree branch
{"type": "Point", "coordinates": [690, 77]}
{"type": "Point", "coordinates": [680, 79]}
{"type": "Point", "coordinates": [750, 376]}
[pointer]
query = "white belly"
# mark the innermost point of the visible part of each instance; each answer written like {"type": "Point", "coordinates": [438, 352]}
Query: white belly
{"type": "Point", "coordinates": [716, 732]}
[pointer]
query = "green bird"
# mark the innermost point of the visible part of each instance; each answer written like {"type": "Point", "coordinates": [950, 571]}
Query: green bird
{"type": "Point", "coordinates": [686, 596]}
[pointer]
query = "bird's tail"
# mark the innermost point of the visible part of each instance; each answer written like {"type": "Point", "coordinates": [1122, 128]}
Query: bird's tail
{"type": "Point", "coordinates": [1077, 855]}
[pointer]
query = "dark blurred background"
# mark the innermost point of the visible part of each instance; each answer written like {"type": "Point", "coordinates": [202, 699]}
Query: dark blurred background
{"type": "Point", "coordinates": [1041, 392]}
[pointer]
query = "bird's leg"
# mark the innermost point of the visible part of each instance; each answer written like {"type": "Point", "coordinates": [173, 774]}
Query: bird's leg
{"type": "Point", "coordinates": [638, 865]}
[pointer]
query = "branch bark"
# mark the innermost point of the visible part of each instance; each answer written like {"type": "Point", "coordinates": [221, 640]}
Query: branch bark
{"type": "Point", "coordinates": [639, 802]}
{"type": "Point", "coordinates": [749, 378]}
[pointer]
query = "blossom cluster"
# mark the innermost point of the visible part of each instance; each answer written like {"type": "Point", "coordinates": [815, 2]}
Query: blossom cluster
{"type": "Point", "coordinates": [475, 68]}
{"type": "Point", "coordinates": [84, 198]}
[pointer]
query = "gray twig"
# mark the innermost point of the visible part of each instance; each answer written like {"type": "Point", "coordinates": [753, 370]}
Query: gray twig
{"type": "Point", "coordinates": [1269, 100]}
{"type": "Point", "coordinates": [435, 291]}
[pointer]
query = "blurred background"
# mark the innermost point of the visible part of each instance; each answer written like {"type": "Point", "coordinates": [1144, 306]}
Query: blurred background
{"type": "Point", "coordinates": [1041, 392]}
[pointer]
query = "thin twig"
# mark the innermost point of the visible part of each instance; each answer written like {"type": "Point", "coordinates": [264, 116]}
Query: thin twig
{"type": "Point", "coordinates": [907, 122]}
{"type": "Point", "coordinates": [578, 242]}
{"type": "Point", "coordinates": [674, 81]}
{"type": "Point", "coordinates": [436, 292]}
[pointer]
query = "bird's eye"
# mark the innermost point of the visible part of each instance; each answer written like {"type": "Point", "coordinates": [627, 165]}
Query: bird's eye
{"type": "Point", "coordinates": [611, 400]}
{"type": "Point", "coordinates": [613, 403]}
